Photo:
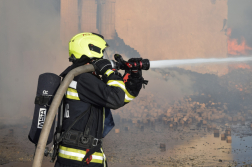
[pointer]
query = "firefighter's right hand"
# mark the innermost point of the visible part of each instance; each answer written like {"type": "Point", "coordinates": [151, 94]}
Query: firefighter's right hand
{"type": "Point", "coordinates": [101, 66]}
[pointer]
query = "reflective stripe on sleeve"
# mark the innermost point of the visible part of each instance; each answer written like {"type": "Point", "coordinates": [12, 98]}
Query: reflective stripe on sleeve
{"type": "Point", "coordinates": [108, 72]}
{"type": "Point", "coordinates": [117, 84]}
{"type": "Point", "coordinates": [128, 97]}
{"type": "Point", "coordinates": [72, 94]}
{"type": "Point", "coordinates": [78, 155]}
{"type": "Point", "coordinates": [73, 84]}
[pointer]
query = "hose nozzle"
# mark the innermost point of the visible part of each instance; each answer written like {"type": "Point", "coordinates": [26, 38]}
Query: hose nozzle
{"type": "Point", "coordinates": [133, 63]}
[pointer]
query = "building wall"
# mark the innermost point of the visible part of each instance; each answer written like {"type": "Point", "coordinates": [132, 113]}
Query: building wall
{"type": "Point", "coordinates": [81, 16]}
{"type": "Point", "coordinates": [69, 20]}
{"type": "Point", "coordinates": [106, 23]}
{"type": "Point", "coordinates": [181, 29]}
{"type": "Point", "coordinates": [89, 16]}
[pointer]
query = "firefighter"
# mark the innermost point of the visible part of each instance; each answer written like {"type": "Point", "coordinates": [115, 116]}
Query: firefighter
{"type": "Point", "coordinates": [87, 117]}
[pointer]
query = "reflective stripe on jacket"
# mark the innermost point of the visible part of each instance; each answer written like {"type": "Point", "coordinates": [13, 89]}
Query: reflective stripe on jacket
{"type": "Point", "coordinates": [78, 155]}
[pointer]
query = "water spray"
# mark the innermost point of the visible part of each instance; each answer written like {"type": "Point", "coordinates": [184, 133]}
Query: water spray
{"type": "Point", "coordinates": [174, 63]}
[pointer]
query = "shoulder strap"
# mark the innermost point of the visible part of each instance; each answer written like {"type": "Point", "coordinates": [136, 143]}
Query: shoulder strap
{"type": "Point", "coordinates": [60, 119]}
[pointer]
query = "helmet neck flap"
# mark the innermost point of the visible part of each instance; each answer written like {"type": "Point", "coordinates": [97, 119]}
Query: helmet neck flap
{"type": "Point", "coordinates": [78, 62]}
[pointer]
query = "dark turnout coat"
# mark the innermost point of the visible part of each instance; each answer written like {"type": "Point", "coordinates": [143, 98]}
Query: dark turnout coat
{"type": "Point", "coordinates": [87, 93]}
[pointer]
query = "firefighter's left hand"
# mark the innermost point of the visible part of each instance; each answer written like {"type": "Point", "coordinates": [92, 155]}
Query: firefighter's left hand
{"type": "Point", "coordinates": [101, 66]}
{"type": "Point", "coordinates": [134, 80]}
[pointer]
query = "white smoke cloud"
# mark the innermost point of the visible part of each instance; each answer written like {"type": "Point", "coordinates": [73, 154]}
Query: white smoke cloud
{"type": "Point", "coordinates": [29, 45]}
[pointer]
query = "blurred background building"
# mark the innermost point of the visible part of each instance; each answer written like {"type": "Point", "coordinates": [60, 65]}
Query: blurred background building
{"type": "Point", "coordinates": [87, 16]}
{"type": "Point", "coordinates": [35, 34]}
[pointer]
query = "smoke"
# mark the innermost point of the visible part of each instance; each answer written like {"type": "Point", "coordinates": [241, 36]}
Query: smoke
{"type": "Point", "coordinates": [29, 45]}
{"type": "Point", "coordinates": [240, 19]}
{"type": "Point", "coordinates": [118, 46]}
{"type": "Point", "coordinates": [170, 87]}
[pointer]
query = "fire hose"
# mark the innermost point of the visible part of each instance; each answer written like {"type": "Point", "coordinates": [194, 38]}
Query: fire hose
{"type": "Point", "coordinates": [39, 154]}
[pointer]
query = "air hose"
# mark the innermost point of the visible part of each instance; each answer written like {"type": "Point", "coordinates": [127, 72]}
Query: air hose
{"type": "Point", "coordinates": [39, 154]}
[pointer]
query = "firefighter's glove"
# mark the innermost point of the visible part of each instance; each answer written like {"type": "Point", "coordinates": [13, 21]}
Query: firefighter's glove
{"type": "Point", "coordinates": [136, 74]}
{"type": "Point", "coordinates": [133, 82]}
{"type": "Point", "coordinates": [101, 66]}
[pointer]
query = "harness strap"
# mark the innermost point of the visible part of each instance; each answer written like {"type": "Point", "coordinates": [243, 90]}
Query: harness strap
{"type": "Point", "coordinates": [60, 119]}
{"type": "Point", "coordinates": [76, 120]}
{"type": "Point", "coordinates": [43, 100]}
{"type": "Point", "coordinates": [58, 131]}
{"type": "Point", "coordinates": [76, 138]}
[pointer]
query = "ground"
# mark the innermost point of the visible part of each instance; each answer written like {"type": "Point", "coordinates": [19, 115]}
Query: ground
{"type": "Point", "coordinates": [139, 146]}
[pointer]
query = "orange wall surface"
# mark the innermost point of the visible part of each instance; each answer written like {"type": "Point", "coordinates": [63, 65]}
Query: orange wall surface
{"type": "Point", "coordinates": [180, 29]}
{"type": "Point", "coordinates": [88, 16]}
{"type": "Point", "coordinates": [69, 20]}
{"type": "Point", "coordinates": [161, 29]}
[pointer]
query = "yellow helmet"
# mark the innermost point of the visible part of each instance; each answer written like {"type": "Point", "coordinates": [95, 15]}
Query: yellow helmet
{"type": "Point", "coordinates": [90, 45]}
